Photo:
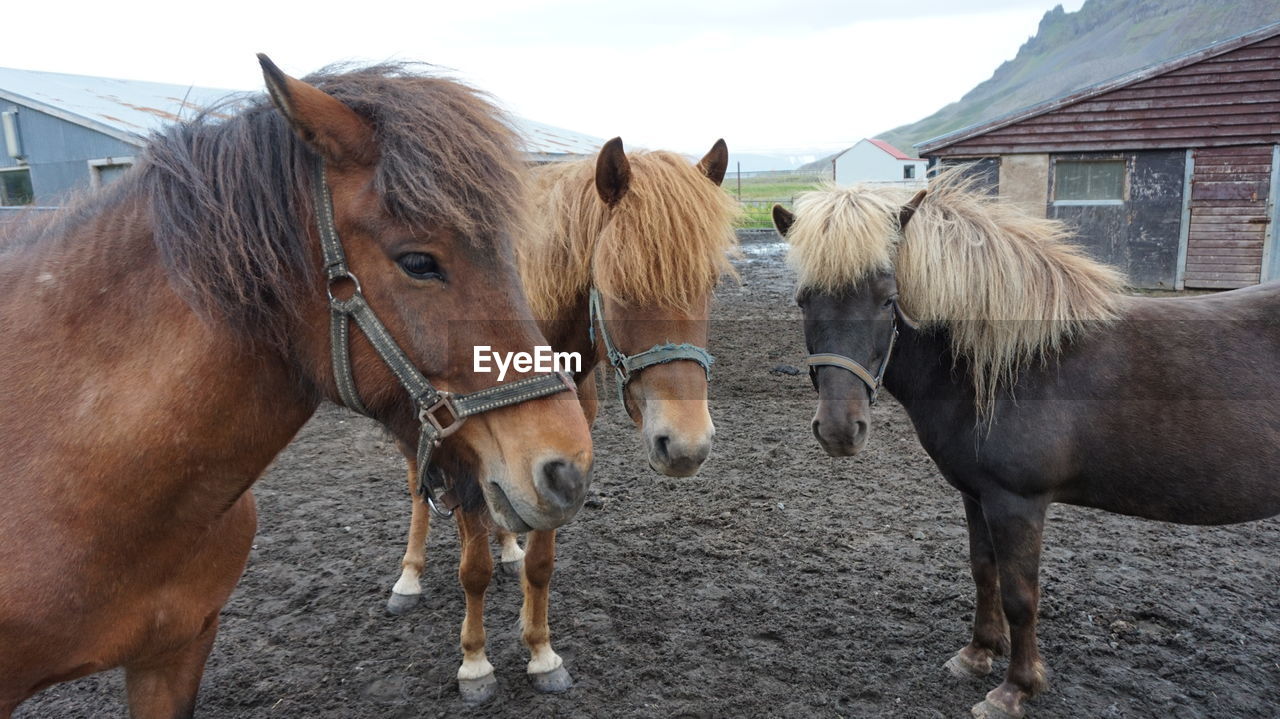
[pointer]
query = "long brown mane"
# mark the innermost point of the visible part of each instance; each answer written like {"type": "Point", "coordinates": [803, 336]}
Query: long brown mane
{"type": "Point", "coordinates": [664, 243]}
{"type": "Point", "coordinates": [228, 193]}
{"type": "Point", "coordinates": [1009, 288]}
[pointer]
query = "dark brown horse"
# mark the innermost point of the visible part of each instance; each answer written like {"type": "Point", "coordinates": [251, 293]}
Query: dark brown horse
{"type": "Point", "coordinates": [165, 338]}
{"type": "Point", "coordinates": [1030, 380]}
{"type": "Point", "coordinates": [646, 233]}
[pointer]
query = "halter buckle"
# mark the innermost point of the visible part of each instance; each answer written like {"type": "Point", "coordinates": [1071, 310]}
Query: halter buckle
{"type": "Point", "coordinates": [429, 415]}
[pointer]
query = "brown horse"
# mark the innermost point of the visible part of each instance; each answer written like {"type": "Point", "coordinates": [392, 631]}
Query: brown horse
{"type": "Point", "coordinates": [1032, 379]}
{"type": "Point", "coordinates": [164, 339]}
{"type": "Point", "coordinates": [648, 235]}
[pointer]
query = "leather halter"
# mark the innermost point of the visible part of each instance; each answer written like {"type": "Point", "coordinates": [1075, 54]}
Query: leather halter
{"type": "Point", "coordinates": [430, 402]}
{"type": "Point", "coordinates": [873, 380]}
{"type": "Point", "coordinates": [626, 367]}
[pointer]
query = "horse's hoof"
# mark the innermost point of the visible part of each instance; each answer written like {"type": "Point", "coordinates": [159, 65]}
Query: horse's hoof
{"type": "Point", "coordinates": [402, 603]}
{"type": "Point", "coordinates": [479, 690]}
{"type": "Point", "coordinates": [961, 667]}
{"type": "Point", "coordinates": [986, 710]}
{"type": "Point", "coordinates": [512, 569]}
{"type": "Point", "coordinates": [556, 681]}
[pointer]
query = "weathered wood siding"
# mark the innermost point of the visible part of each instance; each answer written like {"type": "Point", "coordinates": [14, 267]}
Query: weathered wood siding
{"type": "Point", "coordinates": [1229, 219]}
{"type": "Point", "coordinates": [1229, 100]}
{"type": "Point", "coordinates": [985, 171]}
{"type": "Point", "coordinates": [1140, 235]}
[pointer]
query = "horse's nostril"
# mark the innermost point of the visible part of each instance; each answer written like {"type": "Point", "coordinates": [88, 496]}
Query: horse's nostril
{"type": "Point", "coordinates": [564, 483]}
{"type": "Point", "coordinates": [662, 447]}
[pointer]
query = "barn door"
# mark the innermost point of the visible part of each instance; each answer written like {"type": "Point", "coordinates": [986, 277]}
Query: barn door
{"type": "Point", "coordinates": [1271, 249]}
{"type": "Point", "coordinates": [1229, 220]}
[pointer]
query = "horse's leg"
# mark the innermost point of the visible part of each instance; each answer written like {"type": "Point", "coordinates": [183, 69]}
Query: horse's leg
{"type": "Point", "coordinates": [407, 591]}
{"type": "Point", "coordinates": [546, 668]}
{"type": "Point", "coordinates": [165, 687]}
{"type": "Point", "coordinates": [476, 682]}
{"type": "Point", "coordinates": [588, 397]}
{"type": "Point", "coordinates": [1016, 525]}
{"type": "Point", "coordinates": [990, 632]}
{"type": "Point", "coordinates": [162, 679]}
{"type": "Point", "coordinates": [511, 560]}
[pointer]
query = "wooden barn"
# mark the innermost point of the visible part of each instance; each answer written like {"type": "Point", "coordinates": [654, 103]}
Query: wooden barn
{"type": "Point", "coordinates": [1170, 172]}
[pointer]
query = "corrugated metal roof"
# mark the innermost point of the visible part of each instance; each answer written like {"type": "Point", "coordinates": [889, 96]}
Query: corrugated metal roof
{"type": "Point", "coordinates": [129, 110]}
{"type": "Point", "coordinates": [544, 139]}
{"type": "Point", "coordinates": [1077, 96]}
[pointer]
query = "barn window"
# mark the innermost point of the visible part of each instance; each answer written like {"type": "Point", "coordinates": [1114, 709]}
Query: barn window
{"type": "Point", "coordinates": [107, 170]}
{"type": "Point", "coordinates": [908, 172]}
{"type": "Point", "coordinates": [1088, 182]}
{"type": "Point", "coordinates": [15, 187]}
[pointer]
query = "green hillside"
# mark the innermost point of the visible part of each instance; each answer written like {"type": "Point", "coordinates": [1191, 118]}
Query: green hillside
{"type": "Point", "coordinates": [1069, 51]}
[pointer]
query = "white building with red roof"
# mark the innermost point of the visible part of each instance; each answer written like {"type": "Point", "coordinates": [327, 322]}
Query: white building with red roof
{"type": "Point", "coordinates": [873, 160]}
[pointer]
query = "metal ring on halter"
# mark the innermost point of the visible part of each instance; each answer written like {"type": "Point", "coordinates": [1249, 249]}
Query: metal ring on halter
{"type": "Point", "coordinates": [429, 495]}
{"type": "Point", "coordinates": [347, 275]}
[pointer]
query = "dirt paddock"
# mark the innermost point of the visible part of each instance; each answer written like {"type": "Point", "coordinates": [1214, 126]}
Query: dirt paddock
{"type": "Point", "coordinates": [779, 582]}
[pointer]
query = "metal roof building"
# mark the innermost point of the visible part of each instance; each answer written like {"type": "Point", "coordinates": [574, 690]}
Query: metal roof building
{"type": "Point", "coordinates": [874, 160]}
{"type": "Point", "coordinates": [67, 132]}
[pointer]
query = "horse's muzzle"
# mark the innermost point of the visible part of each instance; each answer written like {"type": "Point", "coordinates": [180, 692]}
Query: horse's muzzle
{"type": "Point", "coordinates": [840, 439]}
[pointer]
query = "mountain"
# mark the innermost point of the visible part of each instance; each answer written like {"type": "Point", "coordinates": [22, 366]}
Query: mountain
{"type": "Point", "coordinates": [1070, 51]}
{"type": "Point", "coordinates": [757, 161]}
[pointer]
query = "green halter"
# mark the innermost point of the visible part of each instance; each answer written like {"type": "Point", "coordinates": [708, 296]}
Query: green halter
{"type": "Point", "coordinates": [626, 367]}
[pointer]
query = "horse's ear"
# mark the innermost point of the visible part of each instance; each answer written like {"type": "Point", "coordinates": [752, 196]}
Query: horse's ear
{"type": "Point", "coordinates": [613, 172]}
{"type": "Point", "coordinates": [783, 219]}
{"type": "Point", "coordinates": [715, 163]}
{"type": "Point", "coordinates": [909, 210]}
{"type": "Point", "coordinates": [322, 121]}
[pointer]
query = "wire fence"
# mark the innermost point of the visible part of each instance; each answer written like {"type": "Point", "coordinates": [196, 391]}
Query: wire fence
{"type": "Point", "coordinates": [757, 192]}
{"type": "Point", "coordinates": [758, 214]}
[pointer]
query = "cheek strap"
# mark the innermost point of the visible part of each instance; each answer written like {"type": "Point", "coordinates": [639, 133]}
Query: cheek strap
{"type": "Point", "coordinates": [872, 380]}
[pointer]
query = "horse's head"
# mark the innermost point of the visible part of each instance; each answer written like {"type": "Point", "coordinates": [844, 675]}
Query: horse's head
{"type": "Point", "coordinates": [667, 223]}
{"type": "Point", "coordinates": [849, 332]}
{"type": "Point", "coordinates": [441, 283]}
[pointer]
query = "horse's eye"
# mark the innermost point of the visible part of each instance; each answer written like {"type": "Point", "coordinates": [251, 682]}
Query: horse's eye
{"type": "Point", "coordinates": [420, 266]}
{"type": "Point", "coordinates": [889, 302]}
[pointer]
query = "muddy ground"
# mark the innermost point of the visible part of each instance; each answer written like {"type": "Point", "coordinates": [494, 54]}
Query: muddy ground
{"type": "Point", "coordinates": [779, 582]}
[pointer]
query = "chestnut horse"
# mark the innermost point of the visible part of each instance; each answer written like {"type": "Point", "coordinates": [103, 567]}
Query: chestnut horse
{"type": "Point", "coordinates": [166, 337]}
{"type": "Point", "coordinates": [646, 234]}
{"type": "Point", "coordinates": [1031, 379]}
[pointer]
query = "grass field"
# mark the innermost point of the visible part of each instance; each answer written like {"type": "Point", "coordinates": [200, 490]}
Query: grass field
{"type": "Point", "coordinates": [758, 194]}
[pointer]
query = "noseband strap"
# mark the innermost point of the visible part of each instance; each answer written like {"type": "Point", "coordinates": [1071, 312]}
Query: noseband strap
{"type": "Point", "coordinates": [440, 414]}
{"type": "Point", "coordinates": [626, 367]}
{"type": "Point", "coordinates": [873, 380]}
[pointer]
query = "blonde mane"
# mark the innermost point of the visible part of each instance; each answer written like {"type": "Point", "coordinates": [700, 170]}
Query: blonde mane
{"type": "Point", "coordinates": [1009, 288]}
{"type": "Point", "coordinates": [665, 243]}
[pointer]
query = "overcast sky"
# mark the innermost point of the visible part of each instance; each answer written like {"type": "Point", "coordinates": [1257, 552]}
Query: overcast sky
{"type": "Point", "coordinates": [767, 75]}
